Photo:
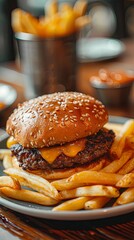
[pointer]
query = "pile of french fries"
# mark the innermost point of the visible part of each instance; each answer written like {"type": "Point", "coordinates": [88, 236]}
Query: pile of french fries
{"type": "Point", "coordinates": [88, 189]}
{"type": "Point", "coordinates": [59, 20]}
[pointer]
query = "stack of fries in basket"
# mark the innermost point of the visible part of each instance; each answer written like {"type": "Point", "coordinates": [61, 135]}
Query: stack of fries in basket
{"type": "Point", "coordinates": [90, 189]}
{"type": "Point", "coordinates": [59, 20]}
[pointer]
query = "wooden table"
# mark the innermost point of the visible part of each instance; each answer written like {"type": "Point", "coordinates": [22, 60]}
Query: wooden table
{"type": "Point", "coordinates": [16, 226]}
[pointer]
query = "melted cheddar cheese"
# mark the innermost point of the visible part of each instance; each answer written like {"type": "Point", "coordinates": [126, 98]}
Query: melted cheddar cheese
{"type": "Point", "coordinates": [11, 141]}
{"type": "Point", "coordinates": [69, 149]}
{"type": "Point", "coordinates": [51, 153]}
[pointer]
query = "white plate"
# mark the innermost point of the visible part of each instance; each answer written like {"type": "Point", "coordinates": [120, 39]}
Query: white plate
{"type": "Point", "coordinates": [46, 212]}
{"type": "Point", "coordinates": [7, 95]}
{"type": "Point", "coordinates": [98, 49]}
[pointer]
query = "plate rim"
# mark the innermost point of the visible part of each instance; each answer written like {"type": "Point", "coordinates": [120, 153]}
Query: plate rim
{"type": "Point", "coordinates": [101, 213]}
{"type": "Point", "coordinates": [68, 215]}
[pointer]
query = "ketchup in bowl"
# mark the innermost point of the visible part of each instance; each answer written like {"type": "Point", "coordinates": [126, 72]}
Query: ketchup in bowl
{"type": "Point", "coordinates": [113, 88]}
{"type": "Point", "coordinates": [112, 77]}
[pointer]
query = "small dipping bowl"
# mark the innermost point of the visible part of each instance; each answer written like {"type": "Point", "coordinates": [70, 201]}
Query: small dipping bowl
{"type": "Point", "coordinates": [112, 92]}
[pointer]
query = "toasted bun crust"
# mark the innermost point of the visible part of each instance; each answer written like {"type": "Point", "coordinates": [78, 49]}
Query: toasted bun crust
{"type": "Point", "coordinates": [56, 119]}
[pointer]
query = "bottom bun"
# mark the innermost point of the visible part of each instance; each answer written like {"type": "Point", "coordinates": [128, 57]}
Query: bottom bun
{"type": "Point", "coordinates": [60, 174]}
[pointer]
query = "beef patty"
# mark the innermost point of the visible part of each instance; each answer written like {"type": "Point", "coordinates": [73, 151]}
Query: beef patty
{"type": "Point", "coordinates": [96, 146]}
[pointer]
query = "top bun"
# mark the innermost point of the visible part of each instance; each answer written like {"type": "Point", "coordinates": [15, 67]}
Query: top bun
{"type": "Point", "coordinates": [56, 118]}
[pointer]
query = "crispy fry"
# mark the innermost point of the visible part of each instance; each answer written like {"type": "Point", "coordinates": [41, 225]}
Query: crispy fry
{"type": "Point", "coordinates": [65, 8]}
{"type": "Point", "coordinates": [82, 22]}
{"type": "Point", "coordinates": [80, 7]}
{"type": "Point", "coordinates": [16, 21]}
{"type": "Point", "coordinates": [73, 204]}
{"type": "Point", "coordinates": [7, 161]}
{"type": "Point", "coordinates": [130, 141]}
{"type": "Point", "coordinates": [52, 8]}
{"type": "Point", "coordinates": [96, 203]}
{"type": "Point", "coordinates": [6, 181]}
{"type": "Point", "coordinates": [115, 165]}
{"type": "Point", "coordinates": [126, 197]}
{"type": "Point", "coordinates": [30, 23]}
{"type": "Point", "coordinates": [87, 178]}
{"type": "Point", "coordinates": [126, 181]}
{"type": "Point", "coordinates": [35, 182]}
{"type": "Point", "coordinates": [28, 196]}
{"type": "Point", "coordinates": [96, 190]}
{"type": "Point", "coordinates": [4, 152]}
{"type": "Point", "coordinates": [119, 143]}
{"type": "Point", "coordinates": [128, 167]}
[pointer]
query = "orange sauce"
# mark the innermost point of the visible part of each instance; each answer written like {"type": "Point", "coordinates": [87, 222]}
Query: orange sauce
{"type": "Point", "coordinates": [112, 77]}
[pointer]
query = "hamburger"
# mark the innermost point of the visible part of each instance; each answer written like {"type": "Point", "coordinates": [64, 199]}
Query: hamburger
{"type": "Point", "coordinates": [58, 134]}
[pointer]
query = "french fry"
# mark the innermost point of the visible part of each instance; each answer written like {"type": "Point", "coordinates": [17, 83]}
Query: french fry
{"type": "Point", "coordinates": [87, 178]}
{"type": "Point", "coordinates": [4, 152]}
{"type": "Point", "coordinates": [7, 181]}
{"type": "Point", "coordinates": [126, 181]}
{"type": "Point", "coordinates": [28, 196]}
{"type": "Point", "coordinates": [82, 22]}
{"type": "Point", "coordinates": [126, 197]}
{"type": "Point", "coordinates": [115, 165]}
{"type": "Point", "coordinates": [130, 141]}
{"type": "Point", "coordinates": [80, 7]}
{"type": "Point", "coordinates": [7, 162]}
{"type": "Point", "coordinates": [73, 204]}
{"type": "Point", "coordinates": [65, 8]}
{"type": "Point", "coordinates": [119, 142]}
{"type": "Point", "coordinates": [96, 190]}
{"type": "Point", "coordinates": [16, 21]}
{"type": "Point", "coordinates": [96, 203]}
{"type": "Point", "coordinates": [52, 8]}
{"type": "Point", "coordinates": [128, 167]}
{"type": "Point", "coordinates": [35, 182]}
{"type": "Point", "coordinates": [30, 23]}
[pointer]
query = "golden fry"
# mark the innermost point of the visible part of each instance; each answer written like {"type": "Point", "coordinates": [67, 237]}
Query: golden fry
{"type": "Point", "coordinates": [130, 141]}
{"type": "Point", "coordinates": [96, 190]}
{"type": "Point", "coordinates": [35, 182]}
{"type": "Point", "coordinates": [30, 23]}
{"type": "Point", "coordinates": [119, 142]}
{"type": "Point", "coordinates": [72, 205]}
{"type": "Point", "coordinates": [115, 165]}
{"type": "Point", "coordinates": [87, 178]}
{"type": "Point", "coordinates": [7, 161]}
{"type": "Point", "coordinates": [126, 197]}
{"type": "Point", "coordinates": [28, 196]}
{"type": "Point", "coordinates": [4, 152]}
{"type": "Point", "coordinates": [52, 8]}
{"type": "Point", "coordinates": [82, 22]}
{"type": "Point", "coordinates": [126, 181]}
{"type": "Point", "coordinates": [16, 21]}
{"type": "Point", "coordinates": [6, 181]}
{"type": "Point", "coordinates": [96, 203]}
{"type": "Point", "coordinates": [128, 167]}
{"type": "Point", "coordinates": [80, 7]}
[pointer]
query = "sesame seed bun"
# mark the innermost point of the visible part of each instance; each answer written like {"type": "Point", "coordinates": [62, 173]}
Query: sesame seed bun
{"type": "Point", "coordinates": [56, 119]}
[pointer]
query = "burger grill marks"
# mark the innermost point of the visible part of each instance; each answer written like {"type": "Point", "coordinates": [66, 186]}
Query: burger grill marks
{"type": "Point", "coordinates": [96, 146]}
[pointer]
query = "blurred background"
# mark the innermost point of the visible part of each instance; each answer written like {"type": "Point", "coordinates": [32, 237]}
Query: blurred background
{"type": "Point", "coordinates": [110, 18]}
